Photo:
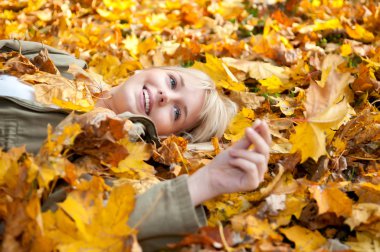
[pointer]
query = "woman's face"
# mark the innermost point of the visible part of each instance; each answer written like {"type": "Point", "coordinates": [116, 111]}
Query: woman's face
{"type": "Point", "coordinates": [166, 96]}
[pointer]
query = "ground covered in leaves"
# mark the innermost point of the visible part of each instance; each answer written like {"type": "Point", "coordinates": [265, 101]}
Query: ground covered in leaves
{"type": "Point", "coordinates": [311, 68]}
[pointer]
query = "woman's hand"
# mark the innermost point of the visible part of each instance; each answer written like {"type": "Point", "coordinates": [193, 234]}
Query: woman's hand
{"type": "Point", "coordinates": [239, 168]}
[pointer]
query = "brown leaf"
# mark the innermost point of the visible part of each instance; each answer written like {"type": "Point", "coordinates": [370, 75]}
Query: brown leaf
{"type": "Point", "coordinates": [171, 151]}
{"type": "Point", "coordinates": [43, 62]}
{"type": "Point", "coordinates": [365, 82]}
{"type": "Point", "coordinates": [208, 237]}
{"type": "Point", "coordinates": [17, 64]}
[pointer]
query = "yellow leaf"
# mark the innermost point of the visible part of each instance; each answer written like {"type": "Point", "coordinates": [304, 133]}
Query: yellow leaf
{"type": "Point", "coordinates": [260, 229]}
{"type": "Point", "coordinates": [294, 206]}
{"type": "Point", "coordinates": [122, 5]}
{"type": "Point", "coordinates": [34, 5]}
{"type": "Point", "coordinates": [363, 213]}
{"type": "Point", "coordinates": [84, 222]}
{"type": "Point", "coordinates": [326, 25]}
{"type": "Point", "coordinates": [274, 84]}
{"type": "Point", "coordinates": [339, 146]}
{"type": "Point", "coordinates": [320, 25]}
{"type": "Point", "coordinates": [49, 88]}
{"type": "Point", "coordinates": [332, 200]}
{"type": "Point", "coordinates": [319, 99]}
{"type": "Point", "coordinates": [158, 22]}
{"type": "Point", "coordinates": [345, 50]}
{"type": "Point", "coordinates": [215, 143]}
{"type": "Point", "coordinates": [134, 164]}
{"type": "Point", "coordinates": [145, 46]}
{"type": "Point", "coordinates": [309, 140]}
{"type": "Point", "coordinates": [325, 74]}
{"type": "Point", "coordinates": [365, 243]}
{"type": "Point", "coordinates": [332, 116]}
{"type": "Point", "coordinates": [326, 107]}
{"type": "Point", "coordinates": [236, 128]}
{"type": "Point", "coordinates": [285, 106]}
{"type": "Point", "coordinates": [360, 33]}
{"type": "Point", "coordinates": [225, 206]}
{"type": "Point", "coordinates": [113, 15]}
{"type": "Point", "coordinates": [94, 82]}
{"type": "Point", "coordinates": [55, 142]}
{"type": "Point", "coordinates": [219, 73]}
{"type": "Point", "coordinates": [257, 69]}
{"type": "Point", "coordinates": [305, 239]}
{"type": "Point", "coordinates": [131, 43]}
{"type": "Point", "coordinates": [114, 217]}
{"type": "Point", "coordinates": [80, 105]}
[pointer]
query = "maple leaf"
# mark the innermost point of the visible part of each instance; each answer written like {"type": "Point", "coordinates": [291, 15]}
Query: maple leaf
{"type": "Point", "coordinates": [275, 85]}
{"type": "Point", "coordinates": [333, 200]}
{"type": "Point", "coordinates": [258, 70]}
{"type": "Point", "coordinates": [255, 227]}
{"type": "Point", "coordinates": [43, 62]}
{"type": "Point", "coordinates": [20, 210]}
{"type": "Point", "coordinates": [134, 164]}
{"type": "Point", "coordinates": [359, 32]}
{"type": "Point", "coordinates": [365, 242]}
{"type": "Point", "coordinates": [320, 25]}
{"type": "Point", "coordinates": [236, 128]}
{"type": "Point", "coordinates": [50, 88]}
{"type": "Point", "coordinates": [308, 139]}
{"type": "Point", "coordinates": [225, 206]}
{"type": "Point", "coordinates": [83, 221]}
{"type": "Point", "coordinates": [171, 151]}
{"type": "Point", "coordinates": [16, 64]}
{"type": "Point", "coordinates": [363, 213]}
{"type": "Point", "coordinates": [304, 239]}
{"type": "Point", "coordinates": [293, 207]}
{"type": "Point", "coordinates": [325, 107]}
{"type": "Point", "coordinates": [94, 82]}
{"type": "Point", "coordinates": [219, 73]}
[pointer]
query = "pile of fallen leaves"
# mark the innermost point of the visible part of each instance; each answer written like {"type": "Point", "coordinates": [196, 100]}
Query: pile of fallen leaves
{"type": "Point", "coordinates": [311, 68]}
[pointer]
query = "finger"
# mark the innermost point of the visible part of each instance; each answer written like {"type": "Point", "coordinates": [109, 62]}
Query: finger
{"type": "Point", "coordinates": [251, 156]}
{"type": "Point", "coordinates": [264, 131]}
{"type": "Point", "coordinates": [244, 142]}
{"type": "Point", "coordinates": [251, 176]}
{"type": "Point", "coordinates": [260, 144]}
{"type": "Point", "coordinates": [258, 159]}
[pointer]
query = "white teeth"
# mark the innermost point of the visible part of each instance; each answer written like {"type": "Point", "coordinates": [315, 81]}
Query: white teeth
{"type": "Point", "coordinates": [147, 100]}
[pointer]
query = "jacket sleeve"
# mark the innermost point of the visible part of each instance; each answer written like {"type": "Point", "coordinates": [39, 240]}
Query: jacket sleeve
{"type": "Point", "coordinates": [165, 213]}
{"type": "Point", "coordinates": [62, 60]}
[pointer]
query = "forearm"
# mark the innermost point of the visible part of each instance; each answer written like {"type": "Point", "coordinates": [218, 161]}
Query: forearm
{"type": "Point", "coordinates": [165, 212]}
{"type": "Point", "coordinates": [199, 187]}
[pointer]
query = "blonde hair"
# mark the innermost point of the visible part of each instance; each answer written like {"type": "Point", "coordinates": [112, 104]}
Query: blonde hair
{"type": "Point", "coordinates": [217, 110]}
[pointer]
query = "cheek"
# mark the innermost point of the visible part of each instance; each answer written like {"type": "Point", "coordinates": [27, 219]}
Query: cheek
{"type": "Point", "coordinates": [162, 121]}
{"type": "Point", "coordinates": [122, 97]}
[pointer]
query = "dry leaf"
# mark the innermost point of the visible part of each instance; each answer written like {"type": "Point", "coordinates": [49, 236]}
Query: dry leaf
{"type": "Point", "coordinates": [43, 62]}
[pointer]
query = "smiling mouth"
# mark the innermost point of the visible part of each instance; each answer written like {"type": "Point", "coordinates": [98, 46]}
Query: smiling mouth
{"type": "Point", "coordinates": [146, 101]}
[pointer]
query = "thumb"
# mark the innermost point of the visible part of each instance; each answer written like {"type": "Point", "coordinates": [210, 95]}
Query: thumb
{"type": "Point", "coordinates": [244, 142]}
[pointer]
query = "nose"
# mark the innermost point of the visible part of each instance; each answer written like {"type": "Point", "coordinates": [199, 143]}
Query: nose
{"type": "Point", "coordinates": [162, 97]}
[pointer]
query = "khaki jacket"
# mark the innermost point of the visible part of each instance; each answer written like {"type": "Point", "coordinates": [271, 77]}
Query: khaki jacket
{"type": "Point", "coordinates": [161, 215]}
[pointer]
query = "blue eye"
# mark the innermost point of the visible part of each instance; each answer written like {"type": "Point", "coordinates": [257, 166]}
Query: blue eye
{"type": "Point", "coordinates": [177, 113]}
{"type": "Point", "coordinates": [173, 82]}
